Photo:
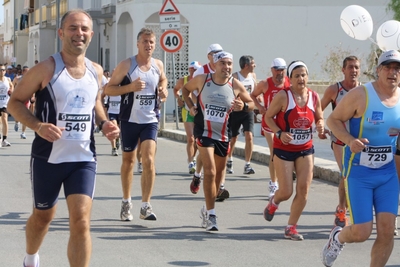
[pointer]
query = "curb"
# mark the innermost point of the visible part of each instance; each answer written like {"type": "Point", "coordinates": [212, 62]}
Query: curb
{"type": "Point", "coordinates": [323, 169]}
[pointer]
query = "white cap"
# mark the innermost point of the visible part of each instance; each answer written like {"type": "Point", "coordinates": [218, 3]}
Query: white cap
{"type": "Point", "coordinates": [9, 67]}
{"type": "Point", "coordinates": [278, 63]}
{"type": "Point", "coordinates": [389, 57]}
{"type": "Point", "coordinates": [221, 55]}
{"type": "Point", "coordinates": [214, 48]}
{"type": "Point", "coordinates": [195, 65]}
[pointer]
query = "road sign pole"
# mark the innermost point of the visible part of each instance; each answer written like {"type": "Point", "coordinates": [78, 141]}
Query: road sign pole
{"type": "Point", "coordinates": [174, 83]}
{"type": "Point", "coordinates": [163, 105]}
{"type": "Point", "coordinates": [171, 42]}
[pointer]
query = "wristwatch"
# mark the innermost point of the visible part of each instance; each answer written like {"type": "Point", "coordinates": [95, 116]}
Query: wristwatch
{"type": "Point", "coordinates": [245, 106]}
{"type": "Point", "coordinates": [278, 134]}
{"type": "Point", "coordinates": [101, 124]}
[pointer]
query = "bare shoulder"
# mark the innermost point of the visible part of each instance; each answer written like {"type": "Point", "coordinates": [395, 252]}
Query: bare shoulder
{"type": "Point", "coordinates": [281, 95]}
{"type": "Point", "coordinates": [196, 82]}
{"type": "Point", "coordinates": [123, 66]}
{"type": "Point", "coordinates": [237, 83]}
{"type": "Point", "coordinates": [263, 84]}
{"type": "Point", "coordinates": [159, 64]}
{"type": "Point", "coordinates": [42, 72]}
{"type": "Point", "coordinates": [331, 89]}
{"type": "Point", "coordinates": [358, 91]}
{"type": "Point", "coordinates": [98, 68]}
{"type": "Point", "coordinates": [355, 98]}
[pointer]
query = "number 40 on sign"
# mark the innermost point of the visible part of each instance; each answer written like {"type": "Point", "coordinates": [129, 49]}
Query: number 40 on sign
{"type": "Point", "coordinates": [171, 41]}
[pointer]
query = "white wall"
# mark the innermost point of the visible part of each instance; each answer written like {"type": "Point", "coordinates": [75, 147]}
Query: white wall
{"type": "Point", "coordinates": [48, 48]}
{"type": "Point", "coordinates": [295, 30]}
{"type": "Point", "coordinates": [290, 29]}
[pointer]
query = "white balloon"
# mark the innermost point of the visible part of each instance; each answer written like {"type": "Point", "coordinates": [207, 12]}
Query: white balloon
{"type": "Point", "coordinates": [356, 22]}
{"type": "Point", "coordinates": [388, 34]}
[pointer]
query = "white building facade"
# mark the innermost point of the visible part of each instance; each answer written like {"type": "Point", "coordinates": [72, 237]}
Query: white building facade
{"type": "Point", "coordinates": [294, 30]}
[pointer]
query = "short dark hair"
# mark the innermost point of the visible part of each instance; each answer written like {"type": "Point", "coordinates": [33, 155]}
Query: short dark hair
{"type": "Point", "coordinates": [72, 11]}
{"type": "Point", "coordinates": [145, 31]}
{"type": "Point", "coordinates": [349, 58]}
{"type": "Point", "coordinates": [246, 59]}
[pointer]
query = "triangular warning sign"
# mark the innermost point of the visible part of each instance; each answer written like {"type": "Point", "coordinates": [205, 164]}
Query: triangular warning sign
{"type": "Point", "coordinates": [168, 8]}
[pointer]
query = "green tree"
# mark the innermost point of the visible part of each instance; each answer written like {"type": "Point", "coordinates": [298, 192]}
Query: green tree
{"type": "Point", "coordinates": [394, 5]}
{"type": "Point", "coordinates": [332, 64]}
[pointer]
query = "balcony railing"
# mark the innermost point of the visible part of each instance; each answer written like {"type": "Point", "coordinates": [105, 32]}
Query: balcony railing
{"type": "Point", "coordinates": [47, 14]}
{"type": "Point", "coordinates": [108, 2]}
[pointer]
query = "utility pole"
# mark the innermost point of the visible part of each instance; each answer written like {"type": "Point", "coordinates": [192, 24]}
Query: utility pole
{"type": "Point", "coordinates": [57, 25]}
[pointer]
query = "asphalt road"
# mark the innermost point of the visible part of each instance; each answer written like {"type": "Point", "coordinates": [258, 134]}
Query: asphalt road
{"type": "Point", "coordinates": [176, 238]}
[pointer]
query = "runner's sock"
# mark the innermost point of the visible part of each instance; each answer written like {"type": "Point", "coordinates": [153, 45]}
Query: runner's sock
{"type": "Point", "coordinates": [32, 260]}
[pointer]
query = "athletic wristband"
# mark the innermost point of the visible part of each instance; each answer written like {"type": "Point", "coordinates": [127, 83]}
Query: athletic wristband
{"type": "Point", "coordinates": [278, 134]}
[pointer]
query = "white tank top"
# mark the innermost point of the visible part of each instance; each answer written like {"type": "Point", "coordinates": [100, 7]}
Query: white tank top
{"type": "Point", "coordinates": [68, 102]}
{"type": "Point", "coordinates": [114, 102]}
{"type": "Point", "coordinates": [247, 82]}
{"type": "Point", "coordinates": [141, 107]}
{"type": "Point", "coordinates": [4, 97]}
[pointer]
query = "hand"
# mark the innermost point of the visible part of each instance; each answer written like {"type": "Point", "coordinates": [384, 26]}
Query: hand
{"type": "Point", "coordinates": [357, 145]}
{"type": "Point", "coordinates": [286, 137]}
{"type": "Point", "coordinates": [110, 130]}
{"type": "Point", "coordinates": [322, 136]}
{"type": "Point", "coordinates": [180, 102]}
{"type": "Point", "coordinates": [237, 104]}
{"type": "Point", "coordinates": [320, 127]}
{"type": "Point", "coordinates": [162, 92]}
{"type": "Point", "coordinates": [193, 110]}
{"type": "Point", "coordinates": [138, 85]}
{"type": "Point", "coordinates": [262, 110]}
{"type": "Point", "coordinates": [49, 132]}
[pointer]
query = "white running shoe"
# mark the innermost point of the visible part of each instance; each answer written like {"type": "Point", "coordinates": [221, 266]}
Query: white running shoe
{"type": "Point", "coordinates": [248, 169]}
{"type": "Point", "coordinates": [16, 126]}
{"type": "Point", "coordinates": [147, 213]}
{"type": "Point", "coordinates": [212, 223]}
{"type": "Point", "coordinates": [5, 143]}
{"type": "Point", "coordinates": [203, 217]}
{"type": "Point", "coordinates": [23, 136]}
{"type": "Point", "coordinates": [229, 167]}
{"type": "Point", "coordinates": [140, 168]}
{"type": "Point", "coordinates": [126, 211]}
{"type": "Point", "coordinates": [332, 248]}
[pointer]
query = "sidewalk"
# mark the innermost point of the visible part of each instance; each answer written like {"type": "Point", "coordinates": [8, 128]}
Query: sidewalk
{"type": "Point", "coordinates": [325, 166]}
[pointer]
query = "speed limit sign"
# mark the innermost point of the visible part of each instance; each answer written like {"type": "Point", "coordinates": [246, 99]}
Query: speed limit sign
{"type": "Point", "coordinates": [171, 41]}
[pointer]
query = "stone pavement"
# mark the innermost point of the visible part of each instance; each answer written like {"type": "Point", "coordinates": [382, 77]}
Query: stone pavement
{"type": "Point", "coordinates": [176, 238]}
